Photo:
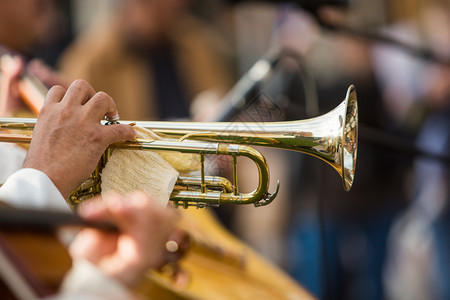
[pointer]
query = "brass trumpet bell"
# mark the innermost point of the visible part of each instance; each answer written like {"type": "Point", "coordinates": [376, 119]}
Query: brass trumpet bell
{"type": "Point", "coordinates": [332, 137]}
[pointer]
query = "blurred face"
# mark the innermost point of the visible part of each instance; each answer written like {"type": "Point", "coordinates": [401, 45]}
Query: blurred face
{"type": "Point", "coordinates": [24, 22]}
{"type": "Point", "coordinates": [151, 19]}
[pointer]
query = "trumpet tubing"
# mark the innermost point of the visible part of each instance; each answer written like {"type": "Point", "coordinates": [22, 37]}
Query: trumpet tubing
{"type": "Point", "coordinates": [332, 137]}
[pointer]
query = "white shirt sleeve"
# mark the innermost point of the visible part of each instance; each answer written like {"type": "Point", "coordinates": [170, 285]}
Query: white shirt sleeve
{"type": "Point", "coordinates": [86, 281]}
{"type": "Point", "coordinates": [11, 159]}
{"type": "Point", "coordinates": [30, 188]}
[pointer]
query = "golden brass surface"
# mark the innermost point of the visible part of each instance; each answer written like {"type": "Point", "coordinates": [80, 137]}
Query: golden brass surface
{"type": "Point", "coordinates": [331, 137]}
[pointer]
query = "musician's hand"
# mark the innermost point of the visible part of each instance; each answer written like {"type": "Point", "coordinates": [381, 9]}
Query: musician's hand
{"type": "Point", "coordinates": [10, 100]}
{"type": "Point", "coordinates": [68, 139]}
{"type": "Point", "coordinates": [144, 227]}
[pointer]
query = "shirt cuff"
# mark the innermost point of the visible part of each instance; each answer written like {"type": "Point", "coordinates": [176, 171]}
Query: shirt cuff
{"type": "Point", "coordinates": [84, 278]}
{"type": "Point", "coordinates": [31, 188]}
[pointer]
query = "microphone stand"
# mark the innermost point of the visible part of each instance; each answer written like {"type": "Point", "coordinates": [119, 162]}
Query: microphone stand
{"type": "Point", "coordinates": [248, 87]}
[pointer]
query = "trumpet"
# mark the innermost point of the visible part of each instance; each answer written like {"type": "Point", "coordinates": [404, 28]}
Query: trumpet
{"type": "Point", "coordinates": [332, 137]}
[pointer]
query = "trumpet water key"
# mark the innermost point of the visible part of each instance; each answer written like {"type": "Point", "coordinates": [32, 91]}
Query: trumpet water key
{"type": "Point", "coordinates": [332, 137]}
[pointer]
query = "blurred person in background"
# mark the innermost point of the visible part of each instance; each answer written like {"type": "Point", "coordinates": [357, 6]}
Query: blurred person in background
{"type": "Point", "coordinates": [153, 57]}
{"type": "Point", "coordinates": [338, 239]}
{"type": "Point", "coordinates": [369, 252]}
{"type": "Point", "coordinates": [417, 93]}
{"type": "Point", "coordinates": [26, 25]}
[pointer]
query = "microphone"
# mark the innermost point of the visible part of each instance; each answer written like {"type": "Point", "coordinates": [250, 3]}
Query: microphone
{"type": "Point", "coordinates": [236, 99]}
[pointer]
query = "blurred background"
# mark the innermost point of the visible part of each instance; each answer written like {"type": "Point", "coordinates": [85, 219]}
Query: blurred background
{"type": "Point", "coordinates": [176, 59]}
